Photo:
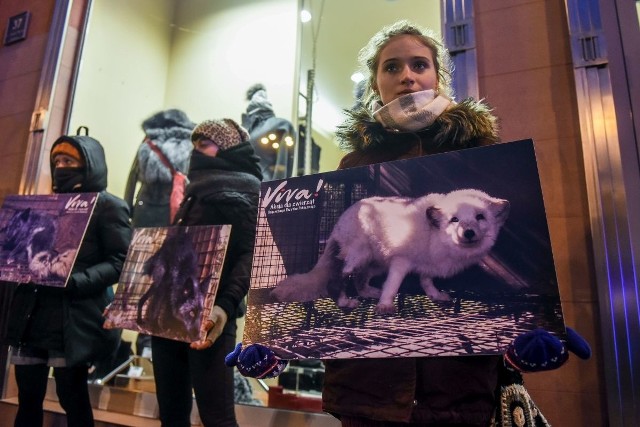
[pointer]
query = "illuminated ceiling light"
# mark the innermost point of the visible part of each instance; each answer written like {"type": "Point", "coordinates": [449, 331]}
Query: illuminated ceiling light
{"type": "Point", "coordinates": [275, 145]}
{"type": "Point", "coordinates": [305, 15]}
{"type": "Point", "coordinates": [357, 77]}
{"type": "Point", "coordinates": [272, 136]}
{"type": "Point", "coordinates": [288, 140]}
{"type": "Point", "coordinates": [264, 140]}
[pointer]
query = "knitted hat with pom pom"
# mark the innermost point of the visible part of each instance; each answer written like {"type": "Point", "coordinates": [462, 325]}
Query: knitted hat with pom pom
{"type": "Point", "coordinates": [258, 101]}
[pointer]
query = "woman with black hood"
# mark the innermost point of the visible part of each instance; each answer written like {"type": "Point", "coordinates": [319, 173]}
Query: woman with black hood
{"type": "Point", "coordinates": [62, 327]}
{"type": "Point", "coordinates": [224, 183]}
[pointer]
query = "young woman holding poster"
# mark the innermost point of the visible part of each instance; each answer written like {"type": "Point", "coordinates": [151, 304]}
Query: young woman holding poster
{"type": "Point", "coordinates": [224, 182]}
{"type": "Point", "coordinates": [407, 110]}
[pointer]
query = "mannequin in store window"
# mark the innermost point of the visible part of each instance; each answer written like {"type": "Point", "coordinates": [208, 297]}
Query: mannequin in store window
{"type": "Point", "coordinates": [170, 132]}
{"type": "Point", "coordinates": [269, 134]}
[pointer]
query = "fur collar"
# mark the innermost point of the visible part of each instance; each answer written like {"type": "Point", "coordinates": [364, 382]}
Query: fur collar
{"type": "Point", "coordinates": [458, 127]}
{"type": "Point", "coordinates": [175, 143]}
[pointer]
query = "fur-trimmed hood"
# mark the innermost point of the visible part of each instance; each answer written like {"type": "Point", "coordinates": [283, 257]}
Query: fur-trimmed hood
{"type": "Point", "coordinates": [168, 119]}
{"type": "Point", "coordinates": [460, 126]}
{"type": "Point", "coordinates": [170, 130]}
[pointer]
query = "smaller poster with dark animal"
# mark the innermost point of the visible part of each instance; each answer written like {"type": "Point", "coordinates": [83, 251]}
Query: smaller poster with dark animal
{"type": "Point", "coordinates": [442, 255]}
{"type": "Point", "coordinates": [40, 236]}
{"type": "Point", "coordinates": [169, 280]}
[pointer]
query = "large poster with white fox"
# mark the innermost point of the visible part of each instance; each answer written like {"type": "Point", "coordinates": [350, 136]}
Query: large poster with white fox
{"type": "Point", "coordinates": [40, 236]}
{"type": "Point", "coordinates": [440, 255]}
{"type": "Point", "coordinates": [169, 280]}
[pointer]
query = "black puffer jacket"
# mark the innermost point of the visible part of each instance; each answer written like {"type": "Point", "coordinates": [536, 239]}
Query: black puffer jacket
{"type": "Point", "coordinates": [430, 391]}
{"type": "Point", "coordinates": [224, 190]}
{"type": "Point", "coordinates": [70, 319]}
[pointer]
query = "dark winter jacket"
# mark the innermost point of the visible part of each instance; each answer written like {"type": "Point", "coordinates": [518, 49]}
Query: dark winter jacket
{"type": "Point", "coordinates": [432, 391]}
{"type": "Point", "coordinates": [170, 131]}
{"type": "Point", "coordinates": [224, 190]}
{"type": "Point", "coordinates": [70, 319]}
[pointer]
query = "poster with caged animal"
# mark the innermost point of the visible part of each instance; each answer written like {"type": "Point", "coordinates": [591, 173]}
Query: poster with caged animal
{"type": "Point", "coordinates": [40, 236]}
{"type": "Point", "coordinates": [441, 255]}
{"type": "Point", "coordinates": [169, 280]}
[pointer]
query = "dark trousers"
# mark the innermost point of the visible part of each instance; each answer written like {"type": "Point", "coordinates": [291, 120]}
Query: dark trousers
{"type": "Point", "coordinates": [71, 388]}
{"type": "Point", "coordinates": [178, 369]}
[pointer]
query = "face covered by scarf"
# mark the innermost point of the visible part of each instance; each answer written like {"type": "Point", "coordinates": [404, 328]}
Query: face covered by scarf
{"type": "Point", "coordinates": [68, 180]}
{"type": "Point", "coordinates": [411, 112]}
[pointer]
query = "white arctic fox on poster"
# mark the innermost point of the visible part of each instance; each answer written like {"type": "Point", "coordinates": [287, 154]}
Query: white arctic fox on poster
{"type": "Point", "coordinates": [435, 236]}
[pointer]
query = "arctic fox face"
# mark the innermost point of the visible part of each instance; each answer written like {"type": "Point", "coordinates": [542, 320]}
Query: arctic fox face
{"type": "Point", "coordinates": [469, 218]}
{"type": "Point", "coordinates": [437, 235]}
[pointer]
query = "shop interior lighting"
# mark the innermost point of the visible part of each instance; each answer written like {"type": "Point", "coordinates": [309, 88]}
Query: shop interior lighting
{"type": "Point", "coordinates": [357, 77]}
{"type": "Point", "coordinates": [288, 140]}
